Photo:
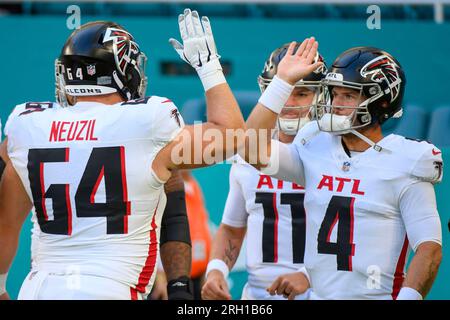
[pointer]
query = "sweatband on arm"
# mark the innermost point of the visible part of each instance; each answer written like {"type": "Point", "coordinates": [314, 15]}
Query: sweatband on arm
{"type": "Point", "coordinates": [175, 223]}
{"type": "Point", "coordinates": [276, 95]}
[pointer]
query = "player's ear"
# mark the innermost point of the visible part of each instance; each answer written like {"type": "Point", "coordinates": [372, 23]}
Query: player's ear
{"type": "Point", "coordinates": [72, 100]}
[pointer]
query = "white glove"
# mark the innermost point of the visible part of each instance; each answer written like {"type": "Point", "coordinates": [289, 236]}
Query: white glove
{"type": "Point", "coordinates": [198, 48]}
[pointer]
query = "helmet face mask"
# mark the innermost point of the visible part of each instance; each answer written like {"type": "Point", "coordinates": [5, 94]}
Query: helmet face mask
{"type": "Point", "coordinates": [299, 111]}
{"type": "Point", "coordinates": [60, 93]}
{"type": "Point", "coordinates": [377, 79]}
{"type": "Point", "coordinates": [291, 125]}
{"type": "Point", "coordinates": [330, 116]}
{"type": "Point", "coordinates": [100, 58]}
{"type": "Point", "coordinates": [142, 66]}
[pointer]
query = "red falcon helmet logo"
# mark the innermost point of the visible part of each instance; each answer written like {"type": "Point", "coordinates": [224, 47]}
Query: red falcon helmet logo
{"type": "Point", "coordinates": [124, 48]}
{"type": "Point", "coordinates": [322, 69]}
{"type": "Point", "coordinates": [383, 70]}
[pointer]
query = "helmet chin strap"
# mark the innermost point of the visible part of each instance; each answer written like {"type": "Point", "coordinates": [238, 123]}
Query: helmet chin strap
{"type": "Point", "coordinates": [375, 146]}
{"type": "Point", "coordinates": [368, 141]}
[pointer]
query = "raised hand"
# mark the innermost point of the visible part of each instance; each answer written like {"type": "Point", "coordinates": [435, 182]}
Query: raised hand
{"type": "Point", "coordinates": [199, 48]}
{"type": "Point", "coordinates": [296, 65]}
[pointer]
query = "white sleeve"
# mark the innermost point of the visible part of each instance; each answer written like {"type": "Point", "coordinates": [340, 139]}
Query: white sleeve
{"type": "Point", "coordinates": [285, 163]}
{"type": "Point", "coordinates": [429, 165]}
{"type": "Point", "coordinates": [159, 265]}
{"type": "Point", "coordinates": [14, 114]}
{"type": "Point", "coordinates": [420, 216]}
{"type": "Point", "coordinates": [167, 120]}
{"type": "Point", "coordinates": [235, 213]}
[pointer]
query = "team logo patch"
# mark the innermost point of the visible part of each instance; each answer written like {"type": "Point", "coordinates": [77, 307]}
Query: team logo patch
{"type": "Point", "coordinates": [91, 70]}
{"type": "Point", "coordinates": [438, 167]}
{"type": "Point", "coordinates": [384, 71]}
{"type": "Point", "coordinates": [176, 115]}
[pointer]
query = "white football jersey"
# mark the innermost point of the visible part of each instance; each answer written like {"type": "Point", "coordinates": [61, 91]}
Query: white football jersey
{"type": "Point", "coordinates": [87, 170]}
{"type": "Point", "coordinates": [272, 210]}
{"type": "Point", "coordinates": [360, 210]}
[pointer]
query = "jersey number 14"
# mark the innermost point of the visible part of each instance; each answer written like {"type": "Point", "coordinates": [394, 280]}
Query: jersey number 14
{"type": "Point", "coordinates": [340, 211]}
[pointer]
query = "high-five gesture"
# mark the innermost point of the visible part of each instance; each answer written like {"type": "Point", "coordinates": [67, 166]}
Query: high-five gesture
{"type": "Point", "coordinates": [198, 48]}
{"type": "Point", "coordinates": [298, 64]}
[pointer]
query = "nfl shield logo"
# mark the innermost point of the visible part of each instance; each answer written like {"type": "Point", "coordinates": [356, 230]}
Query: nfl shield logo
{"type": "Point", "coordinates": [91, 70]}
{"type": "Point", "coordinates": [346, 166]}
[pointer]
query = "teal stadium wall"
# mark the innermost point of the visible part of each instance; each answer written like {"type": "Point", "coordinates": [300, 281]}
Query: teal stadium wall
{"type": "Point", "coordinates": [30, 45]}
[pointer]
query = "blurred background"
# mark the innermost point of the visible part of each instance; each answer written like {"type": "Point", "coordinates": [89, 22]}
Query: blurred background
{"type": "Point", "coordinates": [417, 33]}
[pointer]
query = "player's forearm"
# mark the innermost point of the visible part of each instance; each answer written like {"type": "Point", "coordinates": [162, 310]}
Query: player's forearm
{"type": "Point", "coordinates": [176, 259]}
{"type": "Point", "coordinates": [9, 239]}
{"type": "Point", "coordinates": [14, 208]}
{"type": "Point", "coordinates": [175, 182]}
{"type": "Point", "coordinates": [227, 244]}
{"type": "Point", "coordinates": [261, 118]}
{"type": "Point", "coordinates": [224, 114]}
{"type": "Point", "coordinates": [175, 222]}
{"type": "Point", "coordinates": [424, 267]}
{"type": "Point", "coordinates": [175, 238]}
{"type": "Point", "coordinates": [223, 109]}
{"type": "Point", "coordinates": [260, 125]}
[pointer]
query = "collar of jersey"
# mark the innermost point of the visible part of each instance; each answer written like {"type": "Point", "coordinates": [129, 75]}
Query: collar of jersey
{"type": "Point", "coordinates": [340, 153]}
{"type": "Point", "coordinates": [84, 104]}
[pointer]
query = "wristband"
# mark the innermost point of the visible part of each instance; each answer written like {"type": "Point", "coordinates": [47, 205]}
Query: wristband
{"type": "Point", "coordinates": [180, 289]}
{"type": "Point", "coordinates": [211, 74]}
{"type": "Point", "coordinates": [217, 264]}
{"type": "Point", "coordinates": [276, 95]}
{"type": "Point", "coordinates": [407, 293]}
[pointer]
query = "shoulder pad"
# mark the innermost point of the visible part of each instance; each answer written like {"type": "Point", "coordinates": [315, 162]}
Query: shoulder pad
{"type": "Point", "coordinates": [136, 101]}
{"type": "Point", "coordinates": [428, 164]}
{"type": "Point", "coordinates": [30, 107]}
{"type": "Point", "coordinates": [167, 119]}
{"type": "Point", "coordinates": [161, 100]}
{"type": "Point", "coordinates": [308, 132]}
{"type": "Point", "coordinates": [27, 108]}
{"type": "Point", "coordinates": [151, 100]}
{"type": "Point", "coordinates": [236, 160]}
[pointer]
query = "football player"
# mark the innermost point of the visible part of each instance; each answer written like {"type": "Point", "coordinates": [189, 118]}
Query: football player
{"type": "Point", "coordinates": [269, 211]}
{"type": "Point", "coordinates": [369, 198]}
{"type": "Point", "coordinates": [95, 170]}
{"type": "Point", "coordinates": [175, 241]}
